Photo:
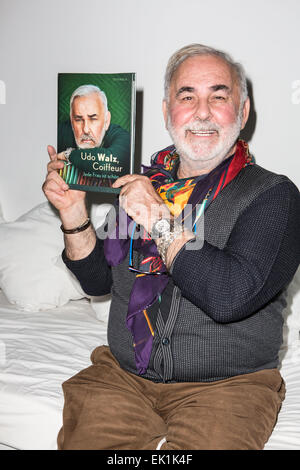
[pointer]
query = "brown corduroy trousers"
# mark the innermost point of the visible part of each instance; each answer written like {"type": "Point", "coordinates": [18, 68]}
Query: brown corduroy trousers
{"type": "Point", "coordinates": [109, 408]}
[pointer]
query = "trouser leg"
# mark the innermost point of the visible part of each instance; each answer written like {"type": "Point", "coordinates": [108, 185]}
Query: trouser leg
{"type": "Point", "coordinates": [233, 414]}
{"type": "Point", "coordinates": [106, 408]}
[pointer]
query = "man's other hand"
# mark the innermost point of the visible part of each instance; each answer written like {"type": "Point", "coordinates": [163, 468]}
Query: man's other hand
{"type": "Point", "coordinates": [140, 200]}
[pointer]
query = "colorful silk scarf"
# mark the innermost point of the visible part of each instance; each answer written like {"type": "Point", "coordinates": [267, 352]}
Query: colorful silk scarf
{"type": "Point", "coordinates": [147, 289]}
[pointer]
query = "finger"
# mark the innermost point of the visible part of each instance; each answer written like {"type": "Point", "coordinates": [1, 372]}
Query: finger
{"type": "Point", "coordinates": [119, 182]}
{"type": "Point", "coordinates": [51, 152]}
{"type": "Point", "coordinates": [124, 180]}
{"type": "Point", "coordinates": [122, 199]}
{"type": "Point", "coordinates": [52, 186]}
{"type": "Point", "coordinates": [61, 156]}
{"type": "Point", "coordinates": [53, 175]}
{"type": "Point", "coordinates": [55, 165]}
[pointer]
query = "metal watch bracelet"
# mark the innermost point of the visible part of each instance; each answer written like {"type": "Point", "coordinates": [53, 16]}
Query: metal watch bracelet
{"type": "Point", "coordinates": [167, 238]}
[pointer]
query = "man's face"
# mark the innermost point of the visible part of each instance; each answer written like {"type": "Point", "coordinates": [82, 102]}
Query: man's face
{"type": "Point", "coordinates": [203, 115]}
{"type": "Point", "coordinates": [88, 120]}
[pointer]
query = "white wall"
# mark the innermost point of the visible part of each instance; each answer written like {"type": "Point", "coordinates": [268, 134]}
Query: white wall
{"type": "Point", "coordinates": [40, 38]}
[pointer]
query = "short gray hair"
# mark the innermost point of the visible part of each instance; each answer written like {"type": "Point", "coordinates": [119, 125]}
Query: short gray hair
{"type": "Point", "coordinates": [85, 90]}
{"type": "Point", "coordinates": [199, 49]}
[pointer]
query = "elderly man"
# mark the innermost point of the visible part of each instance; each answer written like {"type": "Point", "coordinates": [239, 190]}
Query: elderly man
{"type": "Point", "coordinates": [90, 127]}
{"type": "Point", "coordinates": [195, 326]}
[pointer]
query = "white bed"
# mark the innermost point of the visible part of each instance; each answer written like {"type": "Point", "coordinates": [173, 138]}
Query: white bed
{"type": "Point", "coordinates": [48, 331]}
{"type": "Point", "coordinates": [39, 351]}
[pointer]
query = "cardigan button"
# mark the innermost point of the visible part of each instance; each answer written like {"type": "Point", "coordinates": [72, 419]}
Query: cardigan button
{"type": "Point", "coordinates": [165, 341]}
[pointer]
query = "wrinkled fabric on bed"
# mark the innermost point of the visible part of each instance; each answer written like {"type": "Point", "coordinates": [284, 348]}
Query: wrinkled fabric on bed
{"type": "Point", "coordinates": [40, 350]}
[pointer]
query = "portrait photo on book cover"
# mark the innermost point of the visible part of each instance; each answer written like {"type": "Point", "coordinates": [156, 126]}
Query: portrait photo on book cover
{"type": "Point", "coordinates": [96, 121]}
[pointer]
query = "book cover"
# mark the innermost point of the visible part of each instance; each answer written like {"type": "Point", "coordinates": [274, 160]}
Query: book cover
{"type": "Point", "coordinates": [96, 126]}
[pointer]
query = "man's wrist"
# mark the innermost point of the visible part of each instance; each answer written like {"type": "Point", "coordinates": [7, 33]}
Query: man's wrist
{"type": "Point", "coordinates": [171, 240]}
{"type": "Point", "coordinates": [74, 216]}
{"type": "Point", "coordinates": [80, 228]}
{"type": "Point", "coordinates": [176, 246]}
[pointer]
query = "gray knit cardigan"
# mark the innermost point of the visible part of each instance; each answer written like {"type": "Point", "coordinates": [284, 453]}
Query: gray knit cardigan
{"type": "Point", "coordinates": [223, 315]}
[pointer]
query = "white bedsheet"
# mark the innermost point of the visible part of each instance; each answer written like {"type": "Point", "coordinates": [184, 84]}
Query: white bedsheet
{"type": "Point", "coordinates": [286, 434]}
{"type": "Point", "coordinates": [38, 351]}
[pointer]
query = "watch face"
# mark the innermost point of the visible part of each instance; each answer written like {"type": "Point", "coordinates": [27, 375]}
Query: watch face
{"type": "Point", "coordinates": [160, 227]}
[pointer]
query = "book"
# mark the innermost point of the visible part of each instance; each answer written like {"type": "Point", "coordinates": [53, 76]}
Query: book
{"type": "Point", "coordinates": [96, 128]}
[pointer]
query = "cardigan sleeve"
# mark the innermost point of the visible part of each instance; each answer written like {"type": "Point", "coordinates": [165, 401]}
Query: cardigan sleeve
{"type": "Point", "coordinates": [93, 272]}
{"type": "Point", "coordinates": [258, 261]}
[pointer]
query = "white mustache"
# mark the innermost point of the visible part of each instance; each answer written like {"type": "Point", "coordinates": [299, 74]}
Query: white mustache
{"type": "Point", "coordinates": [86, 137]}
{"type": "Point", "coordinates": [198, 127]}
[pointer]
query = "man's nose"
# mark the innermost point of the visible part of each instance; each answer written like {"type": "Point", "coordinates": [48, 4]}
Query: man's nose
{"type": "Point", "coordinates": [202, 110]}
{"type": "Point", "coordinates": [85, 126]}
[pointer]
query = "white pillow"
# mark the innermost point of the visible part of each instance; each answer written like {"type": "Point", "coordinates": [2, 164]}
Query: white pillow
{"type": "Point", "coordinates": [29, 249]}
{"type": "Point", "coordinates": [101, 306]}
{"type": "Point", "coordinates": [98, 213]}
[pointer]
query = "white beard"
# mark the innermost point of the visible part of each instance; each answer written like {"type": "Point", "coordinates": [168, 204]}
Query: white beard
{"type": "Point", "coordinates": [205, 151]}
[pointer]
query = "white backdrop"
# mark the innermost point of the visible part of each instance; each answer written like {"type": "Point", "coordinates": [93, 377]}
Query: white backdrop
{"type": "Point", "coordinates": [40, 38]}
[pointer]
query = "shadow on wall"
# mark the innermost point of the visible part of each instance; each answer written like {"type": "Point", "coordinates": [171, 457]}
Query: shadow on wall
{"type": "Point", "coordinates": [248, 132]}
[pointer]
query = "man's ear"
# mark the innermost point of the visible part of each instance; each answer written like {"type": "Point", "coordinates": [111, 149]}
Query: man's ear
{"type": "Point", "coordinates": [246, 110]}
{"type": "Point", "coordinates": [165, 111]}
{"type": "Point", "coordinates": [108, 118]}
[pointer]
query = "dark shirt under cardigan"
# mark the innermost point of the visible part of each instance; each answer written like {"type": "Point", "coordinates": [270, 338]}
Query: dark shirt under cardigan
{"type": "Point", "coordinates": [221, 314]}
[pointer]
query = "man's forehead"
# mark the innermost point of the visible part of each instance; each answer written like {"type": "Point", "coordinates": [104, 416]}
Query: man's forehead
{"type": "Point", "coordinates": [208, 70]}
{"type": "Point", "coordinates": [91, 100]}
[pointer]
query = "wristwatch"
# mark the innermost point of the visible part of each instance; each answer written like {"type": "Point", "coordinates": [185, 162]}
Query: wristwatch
{"type": "Point", "coordinates": [167, 231]}
{"type": "Point", "coordinates": [161, 227]}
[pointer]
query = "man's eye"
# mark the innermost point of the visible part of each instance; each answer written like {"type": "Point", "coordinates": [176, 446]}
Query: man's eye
{"type": "Point", "coordinates": [187, 98]}
{"type": "Point", "coordinates": [219, 98]}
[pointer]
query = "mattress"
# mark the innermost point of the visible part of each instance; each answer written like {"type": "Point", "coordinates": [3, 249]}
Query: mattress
{"type": "Point", "coordinates": [40, 350]}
